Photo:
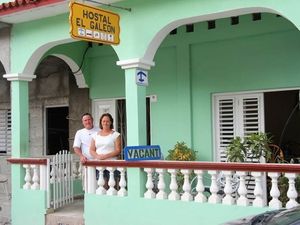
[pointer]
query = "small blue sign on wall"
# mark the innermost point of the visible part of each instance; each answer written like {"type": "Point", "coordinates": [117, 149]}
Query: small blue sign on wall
{"type": "Point", "coordinates": [143, 152]}
{"type": "Point", "coordinates": [141, 77]}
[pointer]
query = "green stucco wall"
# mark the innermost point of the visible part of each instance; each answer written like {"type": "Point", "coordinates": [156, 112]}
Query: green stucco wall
{"type": "Point", "coordinates": [137, 211]}
{"type": "Point", "coordinates": [31, 204]}
{"type": "Point", "coordinates": [253, 55]}
{"type": "Point", "coordinates": [189, 68]}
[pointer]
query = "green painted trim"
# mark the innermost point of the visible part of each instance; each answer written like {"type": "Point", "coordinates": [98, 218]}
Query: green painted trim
{"type": "Point", "coordinates": [20, 118]}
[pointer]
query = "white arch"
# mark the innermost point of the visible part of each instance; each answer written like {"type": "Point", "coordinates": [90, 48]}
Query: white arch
{"type": "Point", "coordinates": [80, 81]}
{"type": "Point", "coordinates": [37, 55]}
{"type": "Point", "coordinates": [160, 36]}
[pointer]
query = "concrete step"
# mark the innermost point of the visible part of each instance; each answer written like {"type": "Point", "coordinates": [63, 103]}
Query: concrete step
{"type": "Point", "coordinates": [68, 215]}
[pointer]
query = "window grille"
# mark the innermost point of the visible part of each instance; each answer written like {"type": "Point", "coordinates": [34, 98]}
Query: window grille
{"type": "Point", "coordinates": [5, 131]}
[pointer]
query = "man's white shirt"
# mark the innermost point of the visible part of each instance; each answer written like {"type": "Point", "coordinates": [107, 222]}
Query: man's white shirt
{"type": "Point", "coordinates": [82, 140]}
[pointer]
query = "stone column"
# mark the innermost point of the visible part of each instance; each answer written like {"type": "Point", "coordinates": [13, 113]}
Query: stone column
{"type": "Point", "coordinates": [20, 113]}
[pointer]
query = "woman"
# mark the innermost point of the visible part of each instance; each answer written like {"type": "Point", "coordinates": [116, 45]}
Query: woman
{"type": "Point", "coordinates": [106, 144]}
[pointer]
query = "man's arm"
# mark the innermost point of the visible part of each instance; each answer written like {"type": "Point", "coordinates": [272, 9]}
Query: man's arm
{"type": "Point", "coordinates": [79, 153]}
{"type": "Point", "coordinates": [76, 147]}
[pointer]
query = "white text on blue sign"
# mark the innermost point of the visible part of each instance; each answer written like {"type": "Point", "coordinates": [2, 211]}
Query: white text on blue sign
{"type": "Point", "coordinates": [146, 152]}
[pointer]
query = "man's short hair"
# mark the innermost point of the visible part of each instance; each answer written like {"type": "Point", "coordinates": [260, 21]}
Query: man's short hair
{"type": "Point", "coordinates": [86, 114]}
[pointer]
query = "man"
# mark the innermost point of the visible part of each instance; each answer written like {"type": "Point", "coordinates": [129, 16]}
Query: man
{"type": "Point", "coordinates": [83, 138]}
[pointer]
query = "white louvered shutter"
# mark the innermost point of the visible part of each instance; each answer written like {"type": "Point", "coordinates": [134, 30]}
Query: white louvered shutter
{"type": "Point", "coordinates": [5, 131]}
{"type": "Point", "coordinates": [253, 116]}
{"type": "Point", "coordinates": [236, 115]}
{"type": "Point", "coordinates": [225, 121]}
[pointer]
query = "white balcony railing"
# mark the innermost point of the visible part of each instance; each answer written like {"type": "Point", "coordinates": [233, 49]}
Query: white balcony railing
{"type": "Point", "coordinates": [201, 181]}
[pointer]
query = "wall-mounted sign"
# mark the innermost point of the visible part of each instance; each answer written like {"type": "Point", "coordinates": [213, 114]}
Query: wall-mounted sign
{"type": "Point", "coordinates": [141, 77]}
{"type": "Point", "coordinates": [144, 152]}
{"type": "Point", "coordinates": [93, 24]}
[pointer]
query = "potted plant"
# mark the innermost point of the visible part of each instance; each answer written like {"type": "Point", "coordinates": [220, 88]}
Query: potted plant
{"type": "Point", "coordinates": [253, 147]}
{"type": "Point", "coordinates": [258, 146]}
{"type": "Point", "coordinates": [181, 152]}
{"type": "Point", "coordinates": [236, 150]}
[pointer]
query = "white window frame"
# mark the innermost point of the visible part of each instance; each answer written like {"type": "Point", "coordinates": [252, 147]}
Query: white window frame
{"type": "Point", "coordinates": [238, 118]}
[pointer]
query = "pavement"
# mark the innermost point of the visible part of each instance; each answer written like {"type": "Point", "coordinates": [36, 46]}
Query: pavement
{"type": "Point", "coordinates": [71, 214]}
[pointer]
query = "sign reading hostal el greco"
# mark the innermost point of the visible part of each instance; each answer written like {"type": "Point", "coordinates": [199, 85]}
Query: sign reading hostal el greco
{"type": "Point", "coordinates": [94, 24]}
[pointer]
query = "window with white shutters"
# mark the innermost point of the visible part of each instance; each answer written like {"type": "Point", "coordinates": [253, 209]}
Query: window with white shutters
{"type": "Point", "coordinates": [5, 131]}
{"type": "Point", "coordinates": [236, 115]}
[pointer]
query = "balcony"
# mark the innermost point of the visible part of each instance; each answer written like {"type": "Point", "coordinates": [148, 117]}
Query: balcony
{"type": "Point", "coordinates": [212, 192]}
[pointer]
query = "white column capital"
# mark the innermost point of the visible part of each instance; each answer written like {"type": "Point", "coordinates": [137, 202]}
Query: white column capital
{"type": "Point", "coordinates": [135, 63]}
{"type": "Point", "coordinates": [19, 77]}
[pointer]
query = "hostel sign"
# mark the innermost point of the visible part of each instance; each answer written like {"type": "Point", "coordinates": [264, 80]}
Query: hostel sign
{"type": "Point", "coordinates": [94, 24]}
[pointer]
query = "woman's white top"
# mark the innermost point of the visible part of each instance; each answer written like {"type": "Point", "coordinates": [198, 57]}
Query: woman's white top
{"type": "Point", "coordinates": [106, 144]}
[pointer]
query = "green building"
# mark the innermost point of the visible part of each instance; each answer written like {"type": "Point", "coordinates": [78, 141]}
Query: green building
{"type": "Point", "coordinates": [214, 70]}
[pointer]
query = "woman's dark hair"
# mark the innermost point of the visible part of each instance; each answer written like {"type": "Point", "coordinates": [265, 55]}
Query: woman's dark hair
{"type": "Point", "coordinates": [110, 118]}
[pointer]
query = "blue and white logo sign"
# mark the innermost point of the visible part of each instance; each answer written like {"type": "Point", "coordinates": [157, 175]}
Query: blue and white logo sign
{"type": "Point", "coordinates": [143, 152]}
{"type": "Point", "coordinates": [142, 77]}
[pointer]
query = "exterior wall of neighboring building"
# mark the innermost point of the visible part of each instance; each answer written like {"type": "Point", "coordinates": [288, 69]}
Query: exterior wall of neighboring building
{"type": "Point", "coordinates": [5, 169]}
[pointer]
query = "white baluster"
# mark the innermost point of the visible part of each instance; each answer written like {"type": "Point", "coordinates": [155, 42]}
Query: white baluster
{"type": "Point", "coordinates": [200, 197]}
{"type": "Point", "coordinates": [173, 185]}
{"type": "Point", "coordinates": [186, 196]}
{"type": "Point", "coordinates": [111, 182]}
{"type": "Point", "coordinates": [228, 199]}
{"type": "Point", "coordinates": [258, 191]}
{"type": "Point", "coordinates": [275, 203]}
{"type": "Point", "coordinates": [27, 177]}
{"type": "Point", "coordinates": [91, 180]}
{"type": "Point", "coordinates": [122, 183]}
{"type": "Point", "coordinates": [35, 178]}
{"type": "Point", "coordinates": [292, 193]}
{"type": "Point", "coordinates": [149, 184]}
{"type": "Point", "coordinates": [161, 185]}
{"type": "Point", "coordinates": [242, 190]}
{"type": "Point", "coordinates": [100, 190]}
{"type": "Point", "coordinates": [214, 197]}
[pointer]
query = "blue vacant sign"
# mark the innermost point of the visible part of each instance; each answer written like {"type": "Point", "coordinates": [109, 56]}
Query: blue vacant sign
{"type": "Point", "coordinates": [144, 152]}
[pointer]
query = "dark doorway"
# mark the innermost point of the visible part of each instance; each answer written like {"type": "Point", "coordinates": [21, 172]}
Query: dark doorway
{"type": "Point", "coordinates": [57, 129]}
{"type": "Point", "coordinates": [121, 120]}
{"type": "Point", "coordinates": [282, 121]}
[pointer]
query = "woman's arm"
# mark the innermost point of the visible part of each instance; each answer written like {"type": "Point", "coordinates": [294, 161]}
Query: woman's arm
{"type": "Point", "coordinates": [93, 149]}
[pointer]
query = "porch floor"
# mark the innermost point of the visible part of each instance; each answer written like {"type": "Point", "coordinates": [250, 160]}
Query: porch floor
{"type": "Point", "coordinates": [71, 214]}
